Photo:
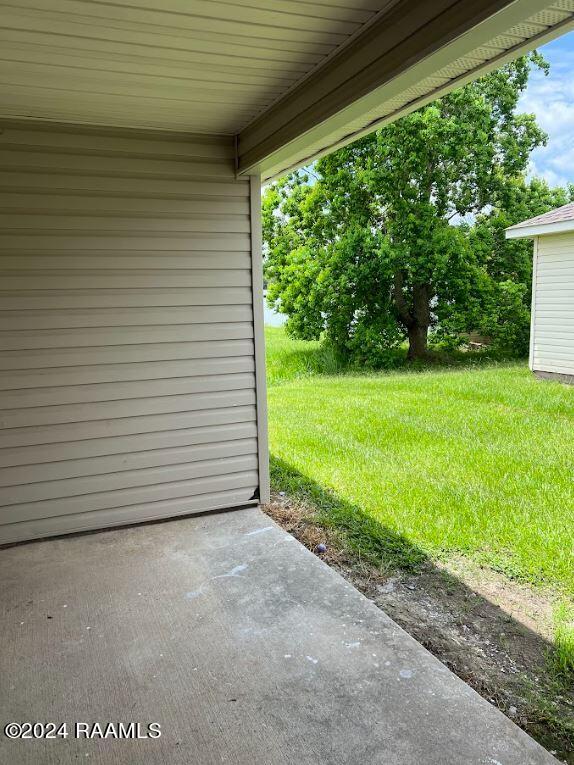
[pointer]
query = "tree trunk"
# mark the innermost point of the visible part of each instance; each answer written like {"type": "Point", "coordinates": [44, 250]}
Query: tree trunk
{"type": "Point", "coordinates": [417, 318]}
{"type": "Point", "coordinates": [417, 341]}
{"type": "Point", "coordinates": [421, 319]}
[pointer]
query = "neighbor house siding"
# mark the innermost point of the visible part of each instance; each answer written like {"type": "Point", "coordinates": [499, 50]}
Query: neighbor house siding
{"type": "Point", "coordinates": [553, 305]}
{"type": "Point", "coordinates": [127, 361]}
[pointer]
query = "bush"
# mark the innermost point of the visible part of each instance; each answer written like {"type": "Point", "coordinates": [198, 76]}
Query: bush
{"type": "Point", "coordinates": [508, 320]}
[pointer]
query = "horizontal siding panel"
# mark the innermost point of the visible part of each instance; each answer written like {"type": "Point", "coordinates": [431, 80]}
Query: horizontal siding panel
{"type": "Point", "coordinates": [97, 456]}
{"type": "Point", "coordinates": [43, 204]}
{"type": "Point", "coordinates": [552, 240]}
{"type": "Point", "coordinates": [556, 335]}
{"type": "Point", "coordinates": [114, 298]}
{"type": "Point", "coordinates": [100, 279]}
{"type": "Point", "coordinates": [554, 345]}
{"type": "Point", "coordinates": [234, 458]}
{"type": "Point", "coordinates": [556, 259]}
{"type": "Point", "coordinates": [67, 459]}
{"type": "Point", "coordinates": [151, 189]}
{"type": "Point", "coordinates": [96, 336]}
{"type": "Point", "coordinates": [21, 160]}
{"type": "Point", "coordinates": [562, 301]}
{"type": "Point", "coordinates": [555, 243]}
{"type": "Point", "coordinates": [559, 324]}
{"type": "Point", "coordinates": [566, 363]}
{"type": "Point", "coordinates": [559, 257]}
{"type": "Point", "coordinates": [109, 410]}
{"type": "Point", "coordinates": [112, 373]}
{"type": "Point", "coordinates": [546, 365]}
{"type": "Point", "coordinates": [88, 503]}
{"type": "Point", "coordinates": [555, 276]}
{"type": "Point", "coordinates": [556, 286]}
{"type": "Point", "coordinates": [126, 261]}
{"type": "Point", "coordinates": [202, 224]}
{"type": "Point", "coordinates": [78, 522]}
{"type": "Point", "coordinates": [149, 511]}
{"type": "Point", "coordinates": [554, 356]}
{"type": "Point", "coordinates": [49, 358]}
{"type": "Point", "coordinates": [117, 391]}
{"type": "Point", "coordinates": [552, 366]}
{"type": "Point", "coordinates": [194, 462]}
{"type": "Point", "coordinates": [555, 312]}
{"type": "Point", "coordinates": [557, 318]}
{"type": "Point", "coordinates": [96, 241]}
{"type": "Point", "coordinates": [121, 280]}
{"type": "Point", "coordinates": [123, 317]}
{"type": "Point", "coordinates": [555, 326]}
{"type": "Point", "coordinates": [82, 432]}
{"type": "Point", "coordinates": [554, 353]}
{"type": "Point", "coordinates": [552, 301]}
{"type": "Point", "coordinates": [115, 143]}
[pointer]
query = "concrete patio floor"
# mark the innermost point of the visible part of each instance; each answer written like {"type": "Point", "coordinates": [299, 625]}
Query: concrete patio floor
{"type": "Point", "coordinates": [241, 644]}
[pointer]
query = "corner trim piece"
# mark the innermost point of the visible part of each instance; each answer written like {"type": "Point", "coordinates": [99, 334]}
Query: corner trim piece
{"type": "Point", "coordinates": [259, 336]}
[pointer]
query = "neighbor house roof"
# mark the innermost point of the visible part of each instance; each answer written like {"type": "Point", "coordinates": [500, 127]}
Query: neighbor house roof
{"type": "Point", "coordinates": [556, 221]}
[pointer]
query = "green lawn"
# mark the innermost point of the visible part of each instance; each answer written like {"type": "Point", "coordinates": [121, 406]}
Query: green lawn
{"type": "Point", "coordinates": [289, 359]}
{"type": "Point", "coordinates": [478, 461]}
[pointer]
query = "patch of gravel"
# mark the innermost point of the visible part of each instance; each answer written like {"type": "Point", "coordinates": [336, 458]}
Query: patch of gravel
{"type": "Point", "coordinates": [492, 632]}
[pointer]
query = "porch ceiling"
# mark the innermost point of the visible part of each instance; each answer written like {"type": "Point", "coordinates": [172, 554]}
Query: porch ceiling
{"type": "Point", "coordinates": [289, 79]}
{"type": "Point", "coordinates": [193, 65]}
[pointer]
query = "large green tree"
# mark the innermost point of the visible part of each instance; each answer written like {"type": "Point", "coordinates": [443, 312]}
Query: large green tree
{"type": "Point", "coordinates": [365, 246]}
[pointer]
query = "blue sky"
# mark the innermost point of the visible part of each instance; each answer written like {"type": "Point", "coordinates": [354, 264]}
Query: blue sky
{"type": "Point", "coordinates": [551, 99]}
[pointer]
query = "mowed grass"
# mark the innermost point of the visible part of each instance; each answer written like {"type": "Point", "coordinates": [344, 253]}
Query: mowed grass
{"type": "Point", "coordinates": [478, 461]}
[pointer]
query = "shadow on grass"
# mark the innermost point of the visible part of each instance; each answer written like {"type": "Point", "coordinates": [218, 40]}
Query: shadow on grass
{"type": "Point", "coordinates": [375, 543]}
{"type": "Point", "coordinates": [500, 657]}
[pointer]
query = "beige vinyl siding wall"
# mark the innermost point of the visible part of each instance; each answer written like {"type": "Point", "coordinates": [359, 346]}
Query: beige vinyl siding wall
{"type": "Point", "coordinates": [127, 367]}
{"type": "Point", "coordinates": [553, 305]}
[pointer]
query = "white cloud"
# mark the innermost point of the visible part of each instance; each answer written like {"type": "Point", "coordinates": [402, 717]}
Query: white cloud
{"type": "Point", "coordinates": [551, 99]}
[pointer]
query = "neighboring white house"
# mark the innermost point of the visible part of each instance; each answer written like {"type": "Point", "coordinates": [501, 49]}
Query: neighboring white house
{"type": "Point", "coordinates": [552, 326]}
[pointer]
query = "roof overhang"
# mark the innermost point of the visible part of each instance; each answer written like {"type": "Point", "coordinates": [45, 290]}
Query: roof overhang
{"type": "Point", "coordinates": [528, 232]}
{"type": "Point", "coordinates": [413, 54]}
{"type": "Point", "coordinates": [288, 80]}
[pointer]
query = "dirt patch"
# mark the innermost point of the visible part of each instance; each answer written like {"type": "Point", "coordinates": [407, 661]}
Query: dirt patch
{"type": "Point", "coordinates": [492, 632]}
